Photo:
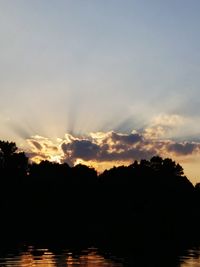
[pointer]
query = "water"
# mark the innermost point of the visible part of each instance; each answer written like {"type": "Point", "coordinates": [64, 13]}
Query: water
{"type": "Point", "coordinates": [42, 257]}
{"type": "Point", "coordinates": [191, 259]}
{"type": "Point", "coordinates": [46, 258]}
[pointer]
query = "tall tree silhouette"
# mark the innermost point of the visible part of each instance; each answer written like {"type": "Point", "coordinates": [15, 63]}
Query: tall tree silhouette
{"type": "Point", "coordinates": [12, 162]}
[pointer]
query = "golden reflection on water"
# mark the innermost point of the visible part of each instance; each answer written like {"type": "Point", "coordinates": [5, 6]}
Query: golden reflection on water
{"type": "Point", "coordinates": [32, 257]}
{"type": "Point", "coordinates": [45, 258]}
{"type": "Point", "coordinates": [191, 259]}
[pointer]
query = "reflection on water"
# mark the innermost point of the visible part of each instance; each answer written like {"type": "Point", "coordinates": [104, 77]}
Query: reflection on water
{"type": "Point", "coordinates": [191, 259]}
{"type": "Point", "coordinates": [90, 258]}
{"type": "Point", "coordinates": [45, 258]}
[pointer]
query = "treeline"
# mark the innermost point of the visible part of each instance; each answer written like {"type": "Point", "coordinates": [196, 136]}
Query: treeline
{"type": "Point", "coordinates": [148, 200]}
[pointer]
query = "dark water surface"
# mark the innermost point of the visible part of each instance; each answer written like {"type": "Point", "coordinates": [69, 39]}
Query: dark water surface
{"type": "Point", "coordinates": [92, 257]}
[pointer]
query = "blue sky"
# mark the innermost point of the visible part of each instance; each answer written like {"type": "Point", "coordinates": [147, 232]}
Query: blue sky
{"type": "Point", "coordinates": [99, 66]}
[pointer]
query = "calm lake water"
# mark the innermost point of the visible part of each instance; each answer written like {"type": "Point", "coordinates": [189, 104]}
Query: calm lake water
{"type": "Point", "coordinates": [43, 257]}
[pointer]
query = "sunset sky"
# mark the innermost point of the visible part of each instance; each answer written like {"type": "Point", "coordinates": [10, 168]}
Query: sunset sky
{"type": "Point", "coordinates": [101, 82]}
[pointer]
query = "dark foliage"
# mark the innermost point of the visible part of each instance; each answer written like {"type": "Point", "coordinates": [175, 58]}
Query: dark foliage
{"type": "Point", "coordinates": [148, 200]}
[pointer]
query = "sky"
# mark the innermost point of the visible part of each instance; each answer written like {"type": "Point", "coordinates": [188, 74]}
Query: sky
{"type": "Point", "coordinates": [101, 82]}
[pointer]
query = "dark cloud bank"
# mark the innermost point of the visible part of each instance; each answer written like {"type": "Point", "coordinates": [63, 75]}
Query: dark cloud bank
{"type": "Point", "coordinates": [124, 147]}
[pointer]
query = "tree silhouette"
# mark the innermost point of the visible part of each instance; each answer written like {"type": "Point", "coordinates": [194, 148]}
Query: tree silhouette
{"type": "Point", "coordinates": [7, 148]}
{"type": "Point", "coordinates": [12, 162]}
{"type": "Point", "coordinates": [149, 199]}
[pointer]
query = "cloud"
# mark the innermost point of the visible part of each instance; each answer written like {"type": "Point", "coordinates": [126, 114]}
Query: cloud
{"type": "Point", "coordinates": [126, 138]}
{"type": "Point", "coordinates": [36, 144]}
{"type": "Point", "coordinates": [83, 149]}
{"type": "Point", "coordinates": [98, 147]}
{"type": "Point", "coordinates": [42, 148]}
{"type": "Point", "coordinates": [163, 125]}
{"type": "Point", "coordinates": [184, 148]}
{"type": "Point", "coordinates": [168, 120]}
{"type": "Point", "coordinates": [115, 147]}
